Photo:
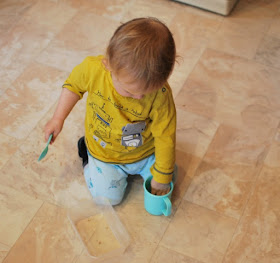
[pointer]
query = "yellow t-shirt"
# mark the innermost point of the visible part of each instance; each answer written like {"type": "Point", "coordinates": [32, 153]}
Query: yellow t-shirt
{"type": "Point", "coordinates": [125, 130]}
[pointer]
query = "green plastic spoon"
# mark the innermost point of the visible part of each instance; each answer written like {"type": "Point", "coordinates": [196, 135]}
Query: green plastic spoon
{"type": "Point", "coordinates": [44, 153]}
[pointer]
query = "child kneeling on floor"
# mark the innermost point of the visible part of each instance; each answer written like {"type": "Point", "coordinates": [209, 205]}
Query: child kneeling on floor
{"type": "Point", "coordinates": [130, 122]}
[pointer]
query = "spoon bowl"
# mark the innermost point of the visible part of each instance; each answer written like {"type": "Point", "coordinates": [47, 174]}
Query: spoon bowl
{"type": "Point", "coordinates": [45, 151]}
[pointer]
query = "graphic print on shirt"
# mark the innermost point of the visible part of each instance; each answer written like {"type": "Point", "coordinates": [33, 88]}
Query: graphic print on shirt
{"type": "Point", "coordinates": [101, 121]}
{"type": "Point", "coordinates": [118, 106]}
{"type": "Point", "coordinates": [132, 134]}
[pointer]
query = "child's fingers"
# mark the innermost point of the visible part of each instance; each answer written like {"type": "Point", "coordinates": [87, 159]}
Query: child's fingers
{"type": "Point", "coordinates": [160, 191]}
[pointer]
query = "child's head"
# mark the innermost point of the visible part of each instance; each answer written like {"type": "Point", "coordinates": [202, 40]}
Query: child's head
{"type": "Point", "coordinates": [142, 51]}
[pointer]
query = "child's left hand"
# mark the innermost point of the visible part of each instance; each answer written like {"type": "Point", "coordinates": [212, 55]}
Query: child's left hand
{"type": "Point", "coordinates": [158, 188]}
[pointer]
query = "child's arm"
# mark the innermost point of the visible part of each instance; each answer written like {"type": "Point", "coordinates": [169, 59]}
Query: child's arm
{"type": "Point", "coordinates": [163, 116]}
{"type": "Point", "coordinates": [66, 102]}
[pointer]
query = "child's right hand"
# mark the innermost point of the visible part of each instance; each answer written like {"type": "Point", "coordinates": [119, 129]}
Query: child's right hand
{"type": "Point", "coordinates": [53, 126]}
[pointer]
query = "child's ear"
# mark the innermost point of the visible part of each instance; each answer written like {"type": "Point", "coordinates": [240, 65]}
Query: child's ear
{"type": "Point", "coordinates": [106, 64]}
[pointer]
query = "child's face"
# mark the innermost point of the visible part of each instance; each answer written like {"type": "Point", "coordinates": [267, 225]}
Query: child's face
{"type": "Point", "coordinates": [127, 87]}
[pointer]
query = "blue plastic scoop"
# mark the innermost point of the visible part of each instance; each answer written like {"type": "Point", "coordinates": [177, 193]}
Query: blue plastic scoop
{"type": "Point", "coordinates": [44, 153]}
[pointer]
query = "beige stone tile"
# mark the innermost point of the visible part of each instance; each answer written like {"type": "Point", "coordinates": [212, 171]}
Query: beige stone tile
{"type": "Point", "coordinates": [268, 52]}
{"type": "Point", "coordinates": [236, 43]}
{"type": "Point", "coordinates": [23, 43]}
{"type": "Point", "coordinates": [194, 23]}
{"type": "Point", "coordinates": [257, 236]}
{"type": "Point", "coordinates": [277, 135]}
{"type": "Point", "coordinates": [66, 51]}
{"type": "Point", "coordinates": [274, 29]}
{"type": "Point", "coordinates": [187, 165]}
{"type": "Point", "coordinates": [48, 238]}
{"type": "Point", "coordinates": [257, 4]}
{"type": "Point", "coordinates": [31, 96]}
{"type": "Point", "coordinates": [50, 15]}
{"type": "Point", "coordinates": [176, 81]}
{"type": "Point", "coordinates": [233, 146]}
{"type": "Point", "coordinates": [272, 159]}
{"type": "Point", "coordinates": [224, 188]}
{"type": "Point", "coordinates": [232, 90]}
{"type": "Point", "coordinates": [16, 211]}
{"type": "Point", "coordinates": [8, 146]}
{"type": "Point", "coordinates": [11, 12]}
{"type": "Point", "coordinates": [156, 8]}
{"type": "Point", "coordinates": [194, 132]}
{"type": "Point", "coordinates": [191, 40]}
{"type": "Point", "coordinates": [241, 33]}
{"type": "Point", "coordinates": [251, 18]}
{"type": "Point", "coordinates": [59, 176]}
{"type": "Point", "coordinates": [199, 233]}
{"type": "Point", "coordinates": [4, 249]}
{"type": "Point", "coordinates": [144, 229]}
{"type": "Point", "coordinates": [113, 9]}
{"type": "Point", "coordinates": [4, 86]}
{"type": "Point", "coordinates": [163, 254]}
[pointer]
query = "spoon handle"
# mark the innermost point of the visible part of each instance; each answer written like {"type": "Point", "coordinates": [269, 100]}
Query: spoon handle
{"type": "Point", "coordinates": [50, 138]}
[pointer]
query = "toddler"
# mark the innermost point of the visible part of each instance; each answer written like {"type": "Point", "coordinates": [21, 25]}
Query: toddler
{"type": "Point", "coordinates": [130, 120]}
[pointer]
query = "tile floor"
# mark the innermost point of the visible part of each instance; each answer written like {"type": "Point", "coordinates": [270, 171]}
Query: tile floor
{"type": "Point", "coordinates": [226, 86]}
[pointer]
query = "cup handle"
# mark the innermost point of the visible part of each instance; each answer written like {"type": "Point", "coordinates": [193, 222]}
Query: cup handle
{"type": "Point", "coordinates": [168, 204]}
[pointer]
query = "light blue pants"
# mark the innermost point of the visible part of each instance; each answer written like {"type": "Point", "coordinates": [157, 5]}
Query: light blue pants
{"type": "Point", "coordinates": [110, 180]}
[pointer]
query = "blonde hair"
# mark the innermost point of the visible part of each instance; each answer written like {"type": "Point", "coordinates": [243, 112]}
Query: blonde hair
{"type": "Point", "coordinates": [145, 49]}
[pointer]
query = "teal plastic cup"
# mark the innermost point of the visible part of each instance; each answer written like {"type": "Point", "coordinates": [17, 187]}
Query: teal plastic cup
{"type": "Point", "coordinates": [157, 204]}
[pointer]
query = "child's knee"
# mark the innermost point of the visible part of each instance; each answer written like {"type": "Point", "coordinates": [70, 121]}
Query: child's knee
{"type": "Point", "coordinates": [103, 199]}
{"type": "Point", "coordinates": [115, 201]}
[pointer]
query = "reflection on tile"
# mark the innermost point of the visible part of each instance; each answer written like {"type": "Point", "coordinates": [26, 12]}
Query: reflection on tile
{"type": "Point", "coordinates": [257, 236]}
{"type": "Point", "coordinates": [194, 133]}
{"type": "Point", "coordinates": [233, 90]}
{"type": "Point", "coordinates": [3, 251]}
{"type": "Point", "coordinates": [199, 233]}
{"type": "Point", "coordinates": [16, 211]}
{"type": "Point", "coordinates": [65, 52]}
{"type": "Point", "coordinates": [234, 146]}
{"type": "Point", "coordinates": [269, 52]}
{"type": "Point", "coordinates": [163, 254]}
{"type": "Point", "coordinates": [48, 238]}
{"type": "Point", "coordinates": [59, 176]}
{"type": "Point", "coordinates": [31, 96]}
{"type": "Point", "coordinates": [8, 146]}
{"type": "Point", "coordinates": [222, 187]}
